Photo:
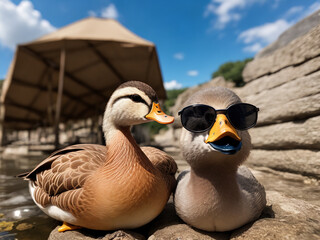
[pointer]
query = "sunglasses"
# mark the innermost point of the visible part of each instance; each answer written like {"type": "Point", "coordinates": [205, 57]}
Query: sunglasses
{"type": "Point", "coordinates": [200, 118]}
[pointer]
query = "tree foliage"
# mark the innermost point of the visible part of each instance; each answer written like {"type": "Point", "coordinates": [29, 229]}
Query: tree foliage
{"type": "Point", "coordinates": [232, 71]}
{"type": "Point", "coordinates": [1, 83]}
{"type": "Point", "coordinates": [172, 95]}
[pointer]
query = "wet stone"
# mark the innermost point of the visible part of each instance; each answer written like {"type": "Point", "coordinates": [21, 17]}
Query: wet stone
{"type": "Point", "coordinates": [87, 234]}
{"type": "Point", "coordinates": [24, 226]}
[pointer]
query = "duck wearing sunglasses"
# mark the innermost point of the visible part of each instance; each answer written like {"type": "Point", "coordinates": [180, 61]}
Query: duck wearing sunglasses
{"type": "Point", "coordinates": [217, 194]}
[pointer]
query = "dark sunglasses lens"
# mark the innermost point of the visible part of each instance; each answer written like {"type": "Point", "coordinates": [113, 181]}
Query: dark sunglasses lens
{"type": "Point", "coordinates": [243, 116]}
{"type": "Point", "coordinates": [198, 118]}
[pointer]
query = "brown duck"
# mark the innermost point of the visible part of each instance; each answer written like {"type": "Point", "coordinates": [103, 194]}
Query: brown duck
{"type": "Point", "coordinates": [119, 185]}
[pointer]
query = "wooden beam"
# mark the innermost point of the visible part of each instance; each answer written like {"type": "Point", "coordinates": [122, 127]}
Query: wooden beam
{"type": "Point", "coordinates": [44, 89]}
{"type": "Point", "coordinates": [59, 96]}
{"type": "Point", "coordinates": [11, 102]}
{"type": "Point", "coordinates": [106, 62]}
{"type": "Point", "coordinates": [19, 120]}
{"type": "Point", "coordinates": [56, 67]}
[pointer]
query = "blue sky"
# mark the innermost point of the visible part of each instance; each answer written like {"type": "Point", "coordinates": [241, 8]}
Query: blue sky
{"type": "Point", "coordinates": [193, 38]}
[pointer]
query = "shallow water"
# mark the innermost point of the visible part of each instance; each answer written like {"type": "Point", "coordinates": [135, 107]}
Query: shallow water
{"type": "Point", "coordinates": [20, 218]}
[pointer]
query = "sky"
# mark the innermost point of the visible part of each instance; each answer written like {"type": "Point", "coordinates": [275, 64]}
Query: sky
{"type": "Point", "coordinates": [193, 38]}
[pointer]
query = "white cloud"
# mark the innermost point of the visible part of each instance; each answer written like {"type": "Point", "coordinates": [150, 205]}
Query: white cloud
{"type": "Point", "coordinates": [21, 23]}
{"type": "Point", "coordinates": [256, 47]}
{"type": "Point", "coordinates": [92, 13]}
{"type": "Point", "coordinates": [260, 36]}
{"type": "Point", "coordinates": [225, 10]}
{"type": "Point", "coordinates": [265, 33]}
{"type": "Point", "coordinates": [193, 73]}
{"type": "Point", "coordinates": [293, 11]}
{"type": "Point", "coordinates": [173, 84]}
{"type": "Point", "coordinates": [178, 56]}
{"type": "Point", "coordinates": [276, 4]}
{"type": "Point", "coordinates": [110, 12]}
{"type": "Point", "coordinates": [312, 8]}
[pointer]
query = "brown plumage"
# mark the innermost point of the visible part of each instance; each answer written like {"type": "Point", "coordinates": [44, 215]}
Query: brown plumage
{"type": "Point", "coordinates": [119, 185]}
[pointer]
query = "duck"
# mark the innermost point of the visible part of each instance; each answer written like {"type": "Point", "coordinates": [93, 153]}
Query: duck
{"type": "Point", "coordinates": [217, 193]}
{"type": "Point", "coordinates": [111, 187]}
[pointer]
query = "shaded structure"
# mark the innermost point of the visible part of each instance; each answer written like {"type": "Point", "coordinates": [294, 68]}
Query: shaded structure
{"type": "Point", "coordinates": [70, 74]}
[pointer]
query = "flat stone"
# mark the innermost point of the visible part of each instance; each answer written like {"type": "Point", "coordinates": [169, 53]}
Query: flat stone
{"type": "Point", "coordinates": [304, 162]}
{"type": "Point", "coordinates": [270, 229]}
{"type": "Point", "coordinates": [293, 90]}
{"type": "Point", "coordinates": [296, 52]}
{"type": "Point", "coordinates": [279, 78]}
{"type": "Point", "coordinates": [297, 109]}
{"type": "Point", "coordinates": [168, 226]}
{"type": "Point", "coordinates": [292, 185]}
{"type": "Point", "coordinates": [87, 234]}
{"type": "Point", "coordinates": [24, 226]}
{"type": "Point", "coordinates": [290, 135]}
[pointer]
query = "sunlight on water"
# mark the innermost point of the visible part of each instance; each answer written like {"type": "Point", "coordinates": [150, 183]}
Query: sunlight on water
{"type": "Point", "coordinates": [20, 218]}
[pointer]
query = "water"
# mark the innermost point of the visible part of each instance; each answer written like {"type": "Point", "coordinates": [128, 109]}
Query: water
{"type": "Point", "coordinates": [20, 218]}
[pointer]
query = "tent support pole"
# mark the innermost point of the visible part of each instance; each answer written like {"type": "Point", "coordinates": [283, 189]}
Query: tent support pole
{"type": "Point", "coordinates": [59, 96]}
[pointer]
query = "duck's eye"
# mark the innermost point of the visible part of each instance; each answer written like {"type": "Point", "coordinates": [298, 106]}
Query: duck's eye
{"type": "Point", "coordinates": [137, 98]}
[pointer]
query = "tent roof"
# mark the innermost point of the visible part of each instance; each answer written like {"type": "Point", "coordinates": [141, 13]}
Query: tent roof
{"type": "Point", "coordinates": [100, 55]}
{"type": "Point", "coordinates": [94, 29]}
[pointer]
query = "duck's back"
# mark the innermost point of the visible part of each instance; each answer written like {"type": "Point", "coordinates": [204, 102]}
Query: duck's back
{"type": "Point", "coordinates": [65, 170]}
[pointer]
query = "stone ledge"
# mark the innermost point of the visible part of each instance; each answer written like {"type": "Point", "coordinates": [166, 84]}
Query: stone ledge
{"type": "Point", "coordinates": [296, 52]}
{"type": "Point", "coordinates": [290, 135]}
{"type": "Point", "coordinates": [285, 75]}
{"type": "Point", "coordinates": [295, 89]}
{"type": "Point", "coordinates": [303, 162]}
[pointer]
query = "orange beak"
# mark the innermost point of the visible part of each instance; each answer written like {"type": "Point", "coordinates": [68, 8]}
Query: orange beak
{"type": "Point", "coordinates": [222, 128]}
{"type": "Point", "coordinates": [158, 115]}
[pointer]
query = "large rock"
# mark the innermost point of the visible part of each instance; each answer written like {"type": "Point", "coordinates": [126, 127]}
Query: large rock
{"type": "Point", "coordinates": [297, 30]}
{"type": "Point", "coordinates": [295, 89]}
{"type": "Point", "coordinates": [86, 234]}
{"type": "Point", "coordinates": [285, 75]}
{"type": "Point", "coordinates": [305, 162]}
{"type": "Point", "coordinates": [289, 135]}
{"type": "Point", "coordinates": [296, 52]}
{"type": "Point", "coordinates": [297, 99]}
{"type": "Point", "coordinates": [168, 226]}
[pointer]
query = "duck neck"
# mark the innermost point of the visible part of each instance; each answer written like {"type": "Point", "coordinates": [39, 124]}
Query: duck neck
{"type": "Point", "coordinates": [123, 149]}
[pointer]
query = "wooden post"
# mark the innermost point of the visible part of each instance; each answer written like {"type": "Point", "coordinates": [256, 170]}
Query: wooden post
{"type": "Point", "coordinates": [59, 96]}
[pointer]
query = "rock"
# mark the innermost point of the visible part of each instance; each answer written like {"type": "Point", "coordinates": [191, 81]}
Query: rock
{"type": "Point", "coordinates": [6, 226]}
{"type": "Point", "coordinates": [291, 185]}
{"type": "Point", "coordinates": [86, 234]}
{"type": "Point", "coordinates": [270, 229]}
{"type": "Point", "coordinates": [24, 226]}
{"type": "Point", "coordinates": [285, 75]}
{"type": "Point", "coordinates": [292, 219]}
{"type": "Point", "coordinates": [305, 162]}
{"type": "Point", "coordinates": [296, 52]}
{"type": "Point", "coordinates": [297, 109]}
{"type": "Point", "coordinates": [290, 135]}
{"type": "Point", "coordinates": [297, 30]}
{"type": "Point", "coordinates": [168, 226]}
{"type": "Point", "coordinates": [297, 99]}
{"type": "Point", "coordinates": [295, 89]}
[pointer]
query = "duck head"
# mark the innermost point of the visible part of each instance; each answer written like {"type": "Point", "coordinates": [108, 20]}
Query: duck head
{"type": "Point", "coordinates": [130, 104]}
{"type": "Point", "coordinates": [207, 135]}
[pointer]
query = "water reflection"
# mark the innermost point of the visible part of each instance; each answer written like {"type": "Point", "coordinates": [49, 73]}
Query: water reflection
{"type": "Point", "coordinates": [20, 218]}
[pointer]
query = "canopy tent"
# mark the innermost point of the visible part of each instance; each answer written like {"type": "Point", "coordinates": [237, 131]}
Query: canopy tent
{"type": "Point", "coordinates": [71, 73]}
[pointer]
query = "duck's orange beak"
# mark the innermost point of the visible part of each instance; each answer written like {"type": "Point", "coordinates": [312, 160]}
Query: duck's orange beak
{"type": "Point", "coordinates": [158, 115]}
{"type": "Point", "coordinates": [222, 128]}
